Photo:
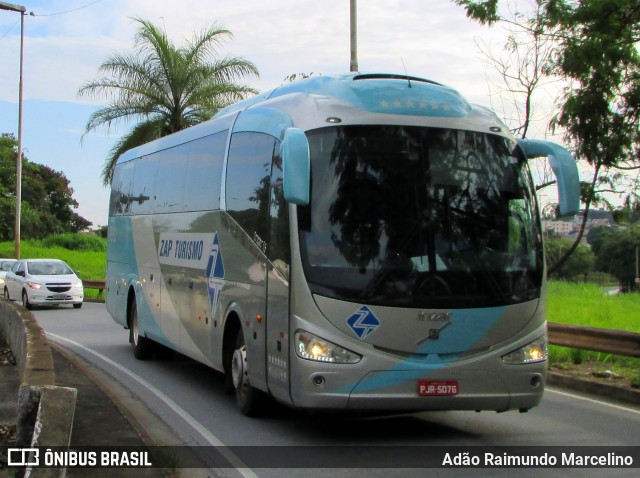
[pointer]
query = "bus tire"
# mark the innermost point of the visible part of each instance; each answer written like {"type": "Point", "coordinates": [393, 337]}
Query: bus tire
{"type": "Point", "coordinates": [142, 346]}
{"type": "Point", "coordinates": [251, 401]}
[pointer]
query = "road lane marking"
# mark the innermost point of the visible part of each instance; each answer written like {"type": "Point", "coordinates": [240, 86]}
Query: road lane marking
{"type": "Point", "coordinates": [241, 467]}
{"type": "Point", "coordinates": [592, 400]}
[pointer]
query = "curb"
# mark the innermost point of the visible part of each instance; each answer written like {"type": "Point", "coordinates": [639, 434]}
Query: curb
{"type": "Point", "coordinates": [628, 396]}
{"type": "Point", "coordinates": [150, 427]}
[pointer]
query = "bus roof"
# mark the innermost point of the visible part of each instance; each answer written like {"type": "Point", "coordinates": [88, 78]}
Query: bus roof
{"type": "Point", "coordinates": [355, 97]}
{"type": "Point", "coordinates": [373, 92]}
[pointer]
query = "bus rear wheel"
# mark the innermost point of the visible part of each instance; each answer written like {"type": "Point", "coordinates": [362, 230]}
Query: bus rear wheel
{"type": "Point", "coordinates": [250, 401]}
{"type": "Point", "coordinates": [142, 346]}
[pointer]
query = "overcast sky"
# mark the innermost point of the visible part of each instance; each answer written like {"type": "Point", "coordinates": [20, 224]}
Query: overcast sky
{"type": "Point", "coordinates": [66, 41]}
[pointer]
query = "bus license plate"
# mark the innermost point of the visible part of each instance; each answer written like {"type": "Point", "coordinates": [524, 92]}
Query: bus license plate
{"type": "Point", "coordinates": [438, 388]}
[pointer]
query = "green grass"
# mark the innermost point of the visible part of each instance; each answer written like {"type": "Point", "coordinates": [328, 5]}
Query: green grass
{"type": "Point", "coordinates": [88, 264]}
{"type": "Point", "coordinates": [589, 305]}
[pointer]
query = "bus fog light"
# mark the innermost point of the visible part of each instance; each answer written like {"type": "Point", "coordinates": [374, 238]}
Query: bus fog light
{"type": "Point", "coordinates": [533, 352]}
{"type": "Point", "coordinates": [312, 347]}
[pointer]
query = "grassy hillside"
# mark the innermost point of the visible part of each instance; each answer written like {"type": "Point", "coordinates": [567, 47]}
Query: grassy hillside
{"type": "Point", "coordinates": [85, 253]}
{"type": "Point", "coordinates": [589, 305]}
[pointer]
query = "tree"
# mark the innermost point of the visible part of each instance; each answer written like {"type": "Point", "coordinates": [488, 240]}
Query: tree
{"type": "Point", "coordinates": [616, 253]}
{"type": "Point", "coordinates": [523, 65]}
{"type": "Point", "coordinates": [47, 199]}
{"type": "Point", "coordinates": [164, 87]}
{"type": "Point", "coordinates": [577, 266]}
{"type": "Point", "coordinates": [596, 54]}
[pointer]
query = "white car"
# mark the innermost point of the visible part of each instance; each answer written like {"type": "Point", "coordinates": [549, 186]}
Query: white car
{"type": "Point", "coordinates": [5, 266]}
{"type": "Point", "coordinates": [43, 282]}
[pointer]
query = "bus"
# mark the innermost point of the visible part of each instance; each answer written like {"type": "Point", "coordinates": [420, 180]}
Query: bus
{"type": "Point", "coordinates": [343, 242]}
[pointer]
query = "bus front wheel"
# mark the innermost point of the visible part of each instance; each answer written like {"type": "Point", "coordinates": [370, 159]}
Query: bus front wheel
{"type": "Point", "coordinates": [250, 400]}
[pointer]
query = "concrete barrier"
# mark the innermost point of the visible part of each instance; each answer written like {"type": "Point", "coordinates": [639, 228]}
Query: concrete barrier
{"type": "Point", "coordinates": [45, 412]}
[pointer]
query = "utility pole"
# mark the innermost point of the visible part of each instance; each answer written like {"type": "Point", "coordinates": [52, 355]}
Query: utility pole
{"type": "Point", "coordinates": [354, 36]}
{"type": "Point", "coordinates": [20, 9]}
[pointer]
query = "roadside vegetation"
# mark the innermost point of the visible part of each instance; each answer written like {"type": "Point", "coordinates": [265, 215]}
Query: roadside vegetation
{"type": "Point", "coordinates": [589, 305]}
{"type": "Point", "coordinates": [84, 252]}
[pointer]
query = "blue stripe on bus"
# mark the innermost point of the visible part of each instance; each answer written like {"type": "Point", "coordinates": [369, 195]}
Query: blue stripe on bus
{"type": "Point", "coordinates": [467, 327]}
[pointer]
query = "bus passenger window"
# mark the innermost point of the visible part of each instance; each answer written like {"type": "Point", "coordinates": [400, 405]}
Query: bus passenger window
{"type": "Point", "coordinates": [172, 164]}
{"type": "Point", "coordinates": [247, 186]}
{"type": "Point", "coordinates": [204, 173]}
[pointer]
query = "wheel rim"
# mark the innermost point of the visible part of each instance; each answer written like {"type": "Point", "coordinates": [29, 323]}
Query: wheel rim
{"type": "Point", "coordinates": [239, 369]}
{"type": "Point", "coordinates": [134, 326]}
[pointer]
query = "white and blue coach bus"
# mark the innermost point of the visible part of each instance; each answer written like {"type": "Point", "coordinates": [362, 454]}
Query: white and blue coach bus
{"type": "Point", "coordinates": [354, 242]}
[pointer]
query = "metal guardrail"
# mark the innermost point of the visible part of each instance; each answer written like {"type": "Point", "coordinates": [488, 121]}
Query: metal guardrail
{"type": "Point", "coordinates": [618, 342]}
{"type": "Point", "coordinates": [95, 284]}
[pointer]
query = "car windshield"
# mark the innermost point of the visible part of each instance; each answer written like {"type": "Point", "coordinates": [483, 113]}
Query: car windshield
{"type": "Point", "coordinates": [420, 217]}
{"type": "Point", "coordinates": [7, 265]}
{"type": "Point", "coordinates": [48, 268]}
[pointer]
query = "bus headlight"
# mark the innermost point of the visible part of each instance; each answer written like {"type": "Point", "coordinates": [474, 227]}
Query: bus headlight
{"type": "Point", "coordinates": [312, 347]}
{"type": "Point", "coordinates": [533, 352]}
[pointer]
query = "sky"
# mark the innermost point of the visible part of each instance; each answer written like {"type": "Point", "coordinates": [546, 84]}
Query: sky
{"type": "Point", "coordinates": [65, 41]}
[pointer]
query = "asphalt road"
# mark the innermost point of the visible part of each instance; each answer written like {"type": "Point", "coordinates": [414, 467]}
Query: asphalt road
{"type": "Point", "coordinates": [190, 399]}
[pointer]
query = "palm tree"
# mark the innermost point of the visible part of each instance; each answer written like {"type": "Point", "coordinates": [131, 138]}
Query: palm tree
{"type": "Point", "coordinates": [164, 87]}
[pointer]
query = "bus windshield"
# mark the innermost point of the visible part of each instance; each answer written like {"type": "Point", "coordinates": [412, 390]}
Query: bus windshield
{"type": "Point", "coordinates": [420, 217]}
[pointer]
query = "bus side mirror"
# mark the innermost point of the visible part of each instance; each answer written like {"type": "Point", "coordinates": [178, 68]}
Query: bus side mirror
{"type": "Point", "coordinates": [296, 166]}
{"type": "Point", "coordinates": [564, 167]}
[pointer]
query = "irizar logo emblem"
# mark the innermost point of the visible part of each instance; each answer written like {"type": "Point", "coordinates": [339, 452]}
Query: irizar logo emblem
{"type": "Point", "coordinates": [363, 322]}
{"type": "Point", "coordinates": [215, 275]}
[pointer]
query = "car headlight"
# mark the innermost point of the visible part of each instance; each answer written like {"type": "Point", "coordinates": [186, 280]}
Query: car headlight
{"type": "Point", "coordinates": [533, 352]}
{"type": "Point", "coordinates": [34, 285]}
{"type": "Point", "coordinates": [77, 285]}
{"type": "Point", "coordinates": [312, 347]}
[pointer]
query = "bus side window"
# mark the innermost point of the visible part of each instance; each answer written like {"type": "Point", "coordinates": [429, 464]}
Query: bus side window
{"type": "Point", "coordinates": [204, 173]}
{"type": "Point", "coordinates": [247, 186]}
{"type": "Point", "coordinates": [279, 250]}
{"type": "Point", "coordinates": [172, 167]}
{"type": "Point", "coordinates": [115, 205]}
{"type": "Point", "coordinates": [144, 185]}
{"type": "Point", "coordinates": [121, 192]}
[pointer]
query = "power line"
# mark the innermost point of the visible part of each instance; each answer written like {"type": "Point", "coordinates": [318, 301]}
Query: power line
{"type": "Point", "coordinates": [10, 28]}
{"type": "Point", "coordinates": [64, 13]}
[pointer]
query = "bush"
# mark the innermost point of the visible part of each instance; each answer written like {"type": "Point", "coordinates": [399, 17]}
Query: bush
{"type": "Point", "coordinates": [85, 242]}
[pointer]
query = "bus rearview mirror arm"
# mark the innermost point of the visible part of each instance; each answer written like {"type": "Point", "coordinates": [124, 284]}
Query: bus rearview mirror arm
{"type": "Point", "coordinates": [565, 169]}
